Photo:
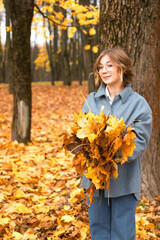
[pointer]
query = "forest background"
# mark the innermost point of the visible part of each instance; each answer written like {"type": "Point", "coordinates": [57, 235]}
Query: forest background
{"type": "Point", "coordinates": [73, 33]}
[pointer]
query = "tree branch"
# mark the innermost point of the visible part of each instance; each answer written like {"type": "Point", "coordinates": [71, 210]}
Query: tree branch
{"type": "Point", "coordinates": [60, 24]}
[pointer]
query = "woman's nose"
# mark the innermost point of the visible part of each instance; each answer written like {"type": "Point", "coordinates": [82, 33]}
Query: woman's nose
{"type": "Point", "coordinates": [104, 69]}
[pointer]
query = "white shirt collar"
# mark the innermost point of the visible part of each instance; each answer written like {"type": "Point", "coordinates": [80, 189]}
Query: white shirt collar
{"type": "Point", "coordinates": [107, 94]}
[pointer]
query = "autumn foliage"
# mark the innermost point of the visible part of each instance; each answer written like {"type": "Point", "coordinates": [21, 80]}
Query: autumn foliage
{"type": "Point", "coordinates": [99, 143]}
{"type": "Point", "coordinates": [40, 197]}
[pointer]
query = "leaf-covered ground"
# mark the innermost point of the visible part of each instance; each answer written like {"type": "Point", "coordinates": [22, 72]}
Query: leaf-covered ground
{"type": "Point", "coordinates": [40, 197]}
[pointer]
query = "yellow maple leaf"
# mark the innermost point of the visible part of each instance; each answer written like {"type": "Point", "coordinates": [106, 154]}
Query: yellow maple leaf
{"type": "Point", "coordinates": [67, 218]}
{"type": "Point", "coordinates": [92, 31]}
{"type": "Point", "coordinates": [72, 31]}
{"type": "Point", "coordinates": [40, 208]}
{"type": "Point", "coordinates": [127, 151]}
{"type": "Point", "coordinates": [115, 127]}
{"type": "Point", "coordinates": [4, 221]}
{"type": "Point", "coordinates": [20, 194]}
{"type": "Point", "coordinates": [87, 47]}
{"type": "Point", "coordinates": [95, 49]}
{"type": "Point", "coordinates": [8, 28]}
{"type": "Point", "coordinates": [77, 193]}
{"type": "Point", "coordinates": [60, 15]}
{"type": "Point", "coordinates": [22, 209]}
{"type": "Point", "coordinates": [84, 233]}
{"type": "Point", "coordinates": [89, 127]}
{"type": "Point", "coordinates": [17, 235]}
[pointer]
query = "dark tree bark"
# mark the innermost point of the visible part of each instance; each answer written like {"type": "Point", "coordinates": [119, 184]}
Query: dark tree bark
{"type": "Point", "coordinates": [21, 17]}
{"type": "Point", "coordinates": [135, 25]}
{"type": "Point", "coordinates": [80, 58]}
{"type": "Point", "coordinates": [73, 58]}
{"type": "Point", "coordinates": [9, 55]}
{"type": "Point", "coordinates": [52, 48]}
{"type": "Point", "coordinates": [50, 56]}
{"type": "Point", "coordinates": [65, 66]}
{"type": "Point", "coordinates": [88, 56]}
{"type": "Point", "coordinates": [2, 68]}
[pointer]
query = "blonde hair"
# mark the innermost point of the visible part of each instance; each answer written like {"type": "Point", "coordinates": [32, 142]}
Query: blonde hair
{"type": "Point", "coordinates": [120, 58]}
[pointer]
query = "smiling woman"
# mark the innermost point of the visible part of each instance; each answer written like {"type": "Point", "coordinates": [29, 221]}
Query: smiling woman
{"type": "Point", "coordinates": [111, 75]}
{"type": "Point", "coordinates": [114, 58]}
{"type": "Point", "coordinates": [116, 220]}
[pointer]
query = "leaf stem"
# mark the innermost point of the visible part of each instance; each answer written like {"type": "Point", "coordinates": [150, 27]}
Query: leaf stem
{"type": "Point", "coordinates": [79, 146]}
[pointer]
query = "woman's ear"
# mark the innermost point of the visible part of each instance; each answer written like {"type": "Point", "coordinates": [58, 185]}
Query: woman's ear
{"type": "Point", "coordinates": [121, 73]}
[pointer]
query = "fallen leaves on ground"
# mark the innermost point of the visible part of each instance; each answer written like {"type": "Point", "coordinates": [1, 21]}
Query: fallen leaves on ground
{"type": "Point", "coordinates": [40, 197]}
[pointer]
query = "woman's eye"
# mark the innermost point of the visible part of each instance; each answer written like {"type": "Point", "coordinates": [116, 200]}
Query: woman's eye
{"type": "Point", "coordinates": [110, 65]}
{"type": "Point", "coordinates": [99, 68]}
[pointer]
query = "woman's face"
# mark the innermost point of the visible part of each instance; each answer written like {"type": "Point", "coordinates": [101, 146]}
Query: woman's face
{"type": "Point", "coordinates": [109, 72]}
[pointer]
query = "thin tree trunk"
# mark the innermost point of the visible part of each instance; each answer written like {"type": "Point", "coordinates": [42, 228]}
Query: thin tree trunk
{"type": "Point", "coordinates": [135, 25]}
{"type": "Point", "coordinates": [9, 54]}
{"type": "Point", "coordinates": [21, 17]}
{"type": "Point", "coordinates": [65, 70]}
{"type": "Point", "coordinates": [80, 58]}
{"type": "Point", "coordinates": [55, 46]}
{"type": "Point", "coordinates": [88, 61]}
{"type": "Point", "coordinates": [65, 67]}
{"type": "Point", "coordinates": [50, 55]}
{"type": "Point", "coordinates": [1, 62]}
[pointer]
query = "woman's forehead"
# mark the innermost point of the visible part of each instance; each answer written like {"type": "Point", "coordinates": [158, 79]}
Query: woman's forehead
{"type": "Point", "coordinates": [105, 59]}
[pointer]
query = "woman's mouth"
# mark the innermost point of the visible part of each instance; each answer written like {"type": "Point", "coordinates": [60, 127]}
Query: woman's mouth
{"type": "Point", "coordinates": [106, 77]}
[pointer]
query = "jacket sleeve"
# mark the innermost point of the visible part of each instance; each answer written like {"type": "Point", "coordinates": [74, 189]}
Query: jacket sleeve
{"type": "Point", "coordinates": [143, 126]}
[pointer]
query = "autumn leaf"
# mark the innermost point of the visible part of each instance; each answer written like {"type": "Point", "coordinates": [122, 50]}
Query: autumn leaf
{"type": "Point", "coordinates": [20, 194]}
{"type": "Point", "coordinates": [72, 31]}
{"type": "Point", "coordinates": [8, 28]}
{"type": "Point", "coordinates": [67, 218]}
{"type": "Point", "coordinates": [95, 49]}
{"type": "Point", "coordinates": [22, 209]}
{"type": "Point", "coordinates": [92, 31]}
{"type": "Point", "coordinates": [17, 236]}
{"type": "Point", "coordinates": [84, 233]}
{"type": "Point", "coordinates": [4, 221]}
{"type": "Point", "coordinates": [87, 47]}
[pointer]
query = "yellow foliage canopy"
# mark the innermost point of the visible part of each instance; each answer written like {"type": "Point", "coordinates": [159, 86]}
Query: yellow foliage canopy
{"type": "Point", "coordinates": [42, 59]}
{"type": "Point", "coordinates": [99, 142]}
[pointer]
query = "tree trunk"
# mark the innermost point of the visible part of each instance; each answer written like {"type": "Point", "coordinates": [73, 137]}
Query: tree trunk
{"type": "Point", "coordinates": [135, 25]}
{"type": "Point", "coordinates": [74, 65]}
{"type": "Point", "coordinates": [9, 55]}
{"type": "Point", "coordinates": [65, 66]}
{"type": "Point", "coordinates": [88, 60]}
{"type": "Point", "coordinates": [21, 17]}
{"type": "Point", "coordinates": [80, 58]}
{"type": "Point", "coordinates": [1, 62]}
{"type": "Point", "coordinates": [50, 55]}
{"type": "Point", "coordinates": [55, 45]}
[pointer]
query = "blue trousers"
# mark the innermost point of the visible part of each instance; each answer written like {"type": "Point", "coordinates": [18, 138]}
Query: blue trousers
{"type": "Point", "coordinates": [113, 219]}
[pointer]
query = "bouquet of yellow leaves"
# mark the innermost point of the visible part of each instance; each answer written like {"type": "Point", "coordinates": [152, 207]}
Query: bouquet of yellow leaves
{"type": "Point", "coordinates": [99, 142]}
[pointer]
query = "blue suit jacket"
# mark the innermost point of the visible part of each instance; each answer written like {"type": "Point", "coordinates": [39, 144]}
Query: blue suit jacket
{"type": "Point", "coordinates": [131, 106]}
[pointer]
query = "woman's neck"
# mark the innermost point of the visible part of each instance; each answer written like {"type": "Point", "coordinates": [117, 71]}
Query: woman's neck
{"type": "Point", "coordinates": [114, 90]}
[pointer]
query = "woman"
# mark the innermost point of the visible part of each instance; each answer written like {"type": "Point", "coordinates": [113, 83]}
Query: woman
{"type": "Point", "coordinates": [114, 218]}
